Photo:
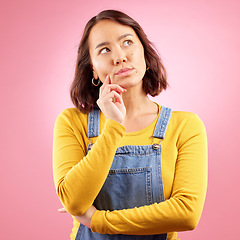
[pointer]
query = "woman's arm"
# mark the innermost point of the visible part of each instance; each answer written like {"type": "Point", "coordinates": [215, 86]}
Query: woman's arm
{"type": "Point", "coordinates": [183, 210]}
{"type": "Point", "coordinates": [79, 178]}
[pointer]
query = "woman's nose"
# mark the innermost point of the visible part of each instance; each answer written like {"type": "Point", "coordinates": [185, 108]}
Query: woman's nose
{"type": "Point", "coordinates": [119, 57]}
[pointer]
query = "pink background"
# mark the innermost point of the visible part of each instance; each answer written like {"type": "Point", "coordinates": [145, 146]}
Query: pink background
{"type": "Point", "coordinates": [200, 45]}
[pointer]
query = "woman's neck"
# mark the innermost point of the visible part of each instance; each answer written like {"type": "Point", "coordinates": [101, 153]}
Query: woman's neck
{"type": "Point", "coordinates": [140, 110]}
{"type": "Point", "coordinates": [137, 103]}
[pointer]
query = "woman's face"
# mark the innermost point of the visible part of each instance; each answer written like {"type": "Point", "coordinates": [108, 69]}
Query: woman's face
{"type": "Point", "coordinates": [116, 50]}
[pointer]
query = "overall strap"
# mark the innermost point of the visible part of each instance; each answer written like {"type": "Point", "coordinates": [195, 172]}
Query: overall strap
{"type": "Point", "coordinates": [162, 123]}
{"type": "Point", "coordinates": [93, 123]}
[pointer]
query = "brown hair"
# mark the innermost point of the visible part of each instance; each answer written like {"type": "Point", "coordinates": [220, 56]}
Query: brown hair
{"type": "Point", "coordinates": [83, 94]}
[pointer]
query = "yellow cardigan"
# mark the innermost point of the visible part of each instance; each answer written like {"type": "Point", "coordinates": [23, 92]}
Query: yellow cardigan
{"type": "Point", "coordinates": [79, 177]}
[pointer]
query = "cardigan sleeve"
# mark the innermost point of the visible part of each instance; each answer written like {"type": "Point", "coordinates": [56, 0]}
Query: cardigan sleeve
{"type": "Point", "coordinates": [183, 209]}
{"type": "Point", "coordinates": [79, 178]}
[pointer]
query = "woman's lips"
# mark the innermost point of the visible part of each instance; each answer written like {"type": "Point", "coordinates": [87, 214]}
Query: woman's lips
{"type": "Point", "coordinates": [124, 72]}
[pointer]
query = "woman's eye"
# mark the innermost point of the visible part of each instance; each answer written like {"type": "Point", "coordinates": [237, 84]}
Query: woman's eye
{"type": "Point", "coordinates": [104, 50]}
{"type": "Point", "coordinates": [127, 43]}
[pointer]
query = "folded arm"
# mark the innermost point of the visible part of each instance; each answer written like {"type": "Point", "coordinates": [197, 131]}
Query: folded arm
{"type": "Point", "coordinates": [79, 178]}
{"type": "Point", "coordinates": [183, 209]}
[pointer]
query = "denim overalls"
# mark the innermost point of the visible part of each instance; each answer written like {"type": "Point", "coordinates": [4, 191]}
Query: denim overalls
{"type": "Point", "coordinates": [134, 180]}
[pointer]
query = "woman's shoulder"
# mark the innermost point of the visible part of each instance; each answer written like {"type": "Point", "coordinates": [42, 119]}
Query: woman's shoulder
{"type": "Point", "coordinates": [187, 121]}
{"type": "Point", "coordinates": [185, 116]}
{"type": "Point", "coordinates": [72, 116]}
{"type": "Point", "coordinates": [71, 112]}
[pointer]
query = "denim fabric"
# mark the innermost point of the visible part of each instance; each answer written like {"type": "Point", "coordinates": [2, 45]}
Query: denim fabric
{"type": "Point", "coordinates": [93, 123]}
{"type": "Point", "coordinates": [134, 180]}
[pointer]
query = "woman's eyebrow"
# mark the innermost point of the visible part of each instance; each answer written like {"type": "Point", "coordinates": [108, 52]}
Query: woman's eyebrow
{"type": "Point", "coordinates": [124, 35]}
{"type": "Point", "coordinates": [106, 43]}
{"type": "Point", "coordinates": [101, 44]}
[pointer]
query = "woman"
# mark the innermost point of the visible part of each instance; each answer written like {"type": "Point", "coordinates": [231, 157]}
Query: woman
{"type": "Point", "coordinates": [124, 166]}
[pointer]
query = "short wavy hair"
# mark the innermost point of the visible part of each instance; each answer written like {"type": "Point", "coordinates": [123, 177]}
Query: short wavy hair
{"type": "Point", "coordinates": [83, 94]}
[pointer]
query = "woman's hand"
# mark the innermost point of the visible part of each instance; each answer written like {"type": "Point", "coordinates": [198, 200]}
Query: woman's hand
{"type": "Point", "coordinates": [110, 101]}
{"type": "Point", "coordinates": [85, 219]}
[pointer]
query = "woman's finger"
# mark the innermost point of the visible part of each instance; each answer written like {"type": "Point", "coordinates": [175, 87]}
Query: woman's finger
{"type": "Point", "coordinates": [110, 100]}
{"type": "Point", "coordinates": [108, 86]}
{"type": "Point", "coordinates": [112, 87]}
{"type": "Point", "coordinates": [112, 96]}
{"type": "Point", "coordinates": [62, 210]}
{"type": "Point", "coordinates": [106, 82]}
